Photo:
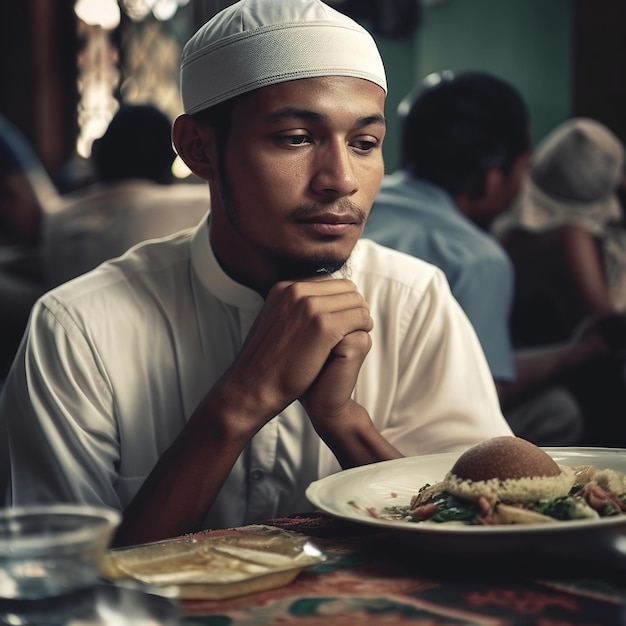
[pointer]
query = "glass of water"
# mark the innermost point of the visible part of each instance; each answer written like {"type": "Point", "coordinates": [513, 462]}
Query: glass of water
{"type": "Point", "coordinates": [50, 558]}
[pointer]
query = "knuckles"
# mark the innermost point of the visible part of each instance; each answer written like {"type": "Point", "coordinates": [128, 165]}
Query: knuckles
{"type": "Point", "coordinates": [320, 309]}
{"type": "Point", "coordinates": [359, 341]}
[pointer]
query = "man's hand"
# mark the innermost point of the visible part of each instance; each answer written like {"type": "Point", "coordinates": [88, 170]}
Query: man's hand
{"type": "Point", "coordinates": [329, 396]}
{"type": "Point", "coordinates": [309, 342]}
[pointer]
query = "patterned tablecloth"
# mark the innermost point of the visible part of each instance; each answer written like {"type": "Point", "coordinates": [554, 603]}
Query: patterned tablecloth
{"type": "Point", "coordinates": [374, 578]}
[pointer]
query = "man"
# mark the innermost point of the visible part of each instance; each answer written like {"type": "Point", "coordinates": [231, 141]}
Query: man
{"type": "Point", "coordinates": [205, 380]}
{"type": "Point", "coordinates": [133, 200]}
{"type": "Point", "coordinates": [466, 146]}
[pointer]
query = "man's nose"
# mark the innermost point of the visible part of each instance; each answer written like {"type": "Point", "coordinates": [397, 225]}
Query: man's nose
{"type": "Point", "coordinates": [334, 172]}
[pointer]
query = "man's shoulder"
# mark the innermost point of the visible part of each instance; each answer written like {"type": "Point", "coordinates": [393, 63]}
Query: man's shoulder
{"type": "Point", "coordinates": [145, 266]}
{"type": "Point", "coordinates": [371, 253]}
{"type": "Point", "coordinates": [377, 263]}
{"type": "Point", "coordinates": [409, 212]}
{"type": "Point", "coordinates": [401, 189]}
{"type": "Point", "coordinates": [440, 235]}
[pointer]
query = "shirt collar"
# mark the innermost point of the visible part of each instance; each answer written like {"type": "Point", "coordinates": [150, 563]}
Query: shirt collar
{"type": "Point", "coordinates": [213, 277]}
{"type": "Point", "coordinates": [216, 281]}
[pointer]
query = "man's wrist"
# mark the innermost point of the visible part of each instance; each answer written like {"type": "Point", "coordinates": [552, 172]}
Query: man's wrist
{"type": "Point", "coordinates": [235, 414]}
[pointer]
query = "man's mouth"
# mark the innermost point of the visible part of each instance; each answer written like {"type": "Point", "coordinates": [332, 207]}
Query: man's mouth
{"type": "Point", "coordinates": [331, 224]}
{"type": "Point", "coordinates": [331, 218]}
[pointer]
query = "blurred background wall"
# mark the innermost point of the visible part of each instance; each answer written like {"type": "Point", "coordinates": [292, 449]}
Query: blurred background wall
{"type": "Point", "coordinates": [567, 57]}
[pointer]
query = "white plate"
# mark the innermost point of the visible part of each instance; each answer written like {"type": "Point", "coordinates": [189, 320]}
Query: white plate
{"type": "Point", "coordinates": [348, 495]}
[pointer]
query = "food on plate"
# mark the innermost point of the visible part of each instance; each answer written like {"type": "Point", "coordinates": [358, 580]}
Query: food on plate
{"type": "Point", "coordinates": [215, 565]}
{"type": "Point", "coordinates": [508, 480]}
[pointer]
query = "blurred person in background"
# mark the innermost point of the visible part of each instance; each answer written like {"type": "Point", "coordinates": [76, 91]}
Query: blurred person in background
{"type": "Point", "coordinates": [135, 198]}
{"type": "Point", "coordinates": [26, 195]}
{"type": "Point", "coordinates": [565, 235]}
{"type": "Point", "coordinates": [466, 146]}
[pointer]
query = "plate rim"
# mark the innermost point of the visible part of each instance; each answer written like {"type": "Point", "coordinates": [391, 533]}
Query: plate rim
{"type": "Point", "coordinates": [515, 530]}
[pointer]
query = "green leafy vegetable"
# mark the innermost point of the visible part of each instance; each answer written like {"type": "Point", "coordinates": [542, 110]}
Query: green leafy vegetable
{"type": "Point", "coordinates": [451, 509]}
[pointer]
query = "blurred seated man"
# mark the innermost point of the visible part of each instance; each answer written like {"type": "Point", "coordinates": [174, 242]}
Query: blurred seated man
{"type": "Point", "coordinates": [565, 235]}
{"type": "Point", "coordinates": [466, 145]}
{"type": "Point", "coordinates": [135, 199]}
{"type": "Point", "coordinates": [204, 380]}
{"type": "Point", "coordinates": [26, 193]}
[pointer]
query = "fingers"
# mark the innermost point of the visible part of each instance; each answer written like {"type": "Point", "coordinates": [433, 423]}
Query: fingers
{"type": "Point", "coordinates": [302, 329]}
{"type": "Point", "coordinates": [330, 308]}
{"type": "Point", "coordinates": [354, 346]}
{"type": "Point", "coordinates": [331, 391]}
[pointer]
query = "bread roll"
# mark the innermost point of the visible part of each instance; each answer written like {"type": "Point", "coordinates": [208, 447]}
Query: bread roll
{"type": "Point", "coordinates": [508, 469]}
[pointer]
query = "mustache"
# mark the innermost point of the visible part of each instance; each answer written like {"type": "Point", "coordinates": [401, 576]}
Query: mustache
{"type": "Point", "coordinates": [343, 206]}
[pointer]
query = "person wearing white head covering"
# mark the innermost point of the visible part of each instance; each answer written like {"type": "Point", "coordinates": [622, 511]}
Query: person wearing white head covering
{"type": "Point", "coordinates": [205, 380]}
{"type": "Point", "coordinates": [254, 44]}
{"type": "Point", "coordinates": [566, 238]}
{"type": "Point", "coordinates": [566, 232]}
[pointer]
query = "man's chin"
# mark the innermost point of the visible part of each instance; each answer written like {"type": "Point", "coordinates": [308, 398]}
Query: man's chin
{"type": "Point", "coordinates": [295, 269]}
{"type": "Point", "coordinates": [330, 267]}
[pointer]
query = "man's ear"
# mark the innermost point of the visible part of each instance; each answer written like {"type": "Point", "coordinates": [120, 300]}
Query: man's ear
{"type": "Point", "coordinates": [195, 144]}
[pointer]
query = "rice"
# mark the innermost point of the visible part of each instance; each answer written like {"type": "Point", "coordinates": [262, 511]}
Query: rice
{"type": "Point", "coordinates": [530, 489]}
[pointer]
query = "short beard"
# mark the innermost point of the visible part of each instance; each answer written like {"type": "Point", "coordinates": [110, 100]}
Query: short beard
{"type": "Point", "coordinates": [290, 268]}
{"type": "Point", "coordinates": [297, 269]}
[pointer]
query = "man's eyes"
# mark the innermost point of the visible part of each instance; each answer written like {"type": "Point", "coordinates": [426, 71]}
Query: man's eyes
{"type": "Point", "coordinates": [362, 145]}
{"type": "Point", "coordinates": [294, 140]}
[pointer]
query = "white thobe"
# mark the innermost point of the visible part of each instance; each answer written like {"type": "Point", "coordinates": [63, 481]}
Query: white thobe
{"type": "Point", "coordinates": [116, 361]}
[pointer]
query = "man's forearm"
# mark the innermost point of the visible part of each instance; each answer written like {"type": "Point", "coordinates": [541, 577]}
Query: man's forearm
{"type": "Point", "coordinates": [354, 439]}
{"type": "Point", "coordinates": [180, 490]}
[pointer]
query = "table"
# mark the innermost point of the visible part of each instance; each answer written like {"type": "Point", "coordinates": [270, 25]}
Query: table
{"type": "Point", "coordinates": [375, 578]}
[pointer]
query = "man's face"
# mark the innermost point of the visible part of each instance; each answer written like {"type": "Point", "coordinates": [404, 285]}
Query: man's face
{"type": "Point", "coordinates": [501, 194]}
{"type": "Point", "coordinates": [302, 166]}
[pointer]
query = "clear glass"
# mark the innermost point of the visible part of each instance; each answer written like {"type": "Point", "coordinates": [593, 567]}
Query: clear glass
{"type": "Point", "coordinates": [105, 604]}
{"type": "Point", "coordinates": [50, 559]}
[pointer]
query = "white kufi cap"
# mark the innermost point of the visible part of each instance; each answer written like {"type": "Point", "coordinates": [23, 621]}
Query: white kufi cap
{"type": "Point", "coordinates": [255, 43]}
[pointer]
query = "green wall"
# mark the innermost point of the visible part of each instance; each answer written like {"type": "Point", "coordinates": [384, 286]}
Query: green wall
{"type": "Point", "coordinates": [526, 42]}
